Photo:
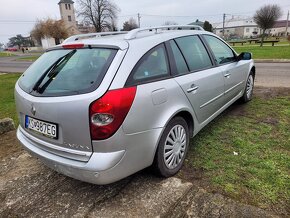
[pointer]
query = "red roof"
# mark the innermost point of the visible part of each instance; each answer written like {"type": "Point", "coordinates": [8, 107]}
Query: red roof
{"type": "Point", "coordinates": [281, 23]}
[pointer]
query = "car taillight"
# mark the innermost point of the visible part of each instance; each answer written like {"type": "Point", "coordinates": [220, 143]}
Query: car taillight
{"type": "Point", "coordinates": [108, 113]}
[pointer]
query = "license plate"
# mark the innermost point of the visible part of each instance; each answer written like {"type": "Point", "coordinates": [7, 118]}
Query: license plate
{"type": "Point", "coordinates": [42, 127]}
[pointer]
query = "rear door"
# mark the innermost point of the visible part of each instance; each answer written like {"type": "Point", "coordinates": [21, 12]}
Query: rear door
{"type": "Point", "coordinates": [233, 70]}
{"type": "Point", "coordinates": [195, 73]}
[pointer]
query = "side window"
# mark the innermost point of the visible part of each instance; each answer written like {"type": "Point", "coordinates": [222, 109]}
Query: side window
{"type": "Point", "coordinates": [222, 53]}
{"type": "Point", "coordinates": [179, 60]}
{"type": "Point", "coordinates": [152, 65]}
{"type": "Point", "coordinates": [194, 52]}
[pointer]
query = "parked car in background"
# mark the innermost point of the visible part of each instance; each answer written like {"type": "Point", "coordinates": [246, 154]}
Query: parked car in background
{"type": "Point", "coordinates": [11, 49]}
{"type": "Point", "coordinates": [102, 106]}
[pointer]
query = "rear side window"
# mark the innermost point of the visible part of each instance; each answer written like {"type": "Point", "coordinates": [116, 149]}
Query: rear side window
{"type": "Point", "coordinates": [67, 72]}
{"type": "Point", "coordinates": [181, 65]}
{"type": "Point", "coordinates": [153, 65]}
{"type": "Point", "coordinates": [194, 52]}
{"type": "Point", "coordinates": [222, 53]}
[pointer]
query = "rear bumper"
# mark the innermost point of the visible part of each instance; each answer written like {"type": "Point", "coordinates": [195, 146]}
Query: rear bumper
{"type": "Point", "coordinates": [96, 170]}
{"type": "Point", "coordinates": [135, 152]}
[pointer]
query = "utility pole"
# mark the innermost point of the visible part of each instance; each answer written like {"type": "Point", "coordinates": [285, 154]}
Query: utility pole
{"type": "Point", "coordinates": [287, 23]}
{"type": "Point", "coordinates": [224, 19]}
{"type": "Point", "coordinates": [139, 18]}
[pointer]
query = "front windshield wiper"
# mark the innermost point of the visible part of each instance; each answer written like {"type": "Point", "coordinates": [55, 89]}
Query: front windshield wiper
{"type": "Point", "coordinates": [52, 68]}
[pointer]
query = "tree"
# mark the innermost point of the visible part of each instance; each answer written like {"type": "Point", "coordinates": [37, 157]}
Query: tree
{"type": "Point", "coordinates": [266, 17]}
{"type": "Point", "coordinates": [19, 41]}
{"type": "Point", "coordinates": [169, 23]}
{"type": "Point", "coordinates": [102, 14]}
{"type": "Point", "coordinates": [49, 28]}
{"type": "Point", "coordinates": [130, 24]}
{"type": "Point", "coordinates": [207, 26]}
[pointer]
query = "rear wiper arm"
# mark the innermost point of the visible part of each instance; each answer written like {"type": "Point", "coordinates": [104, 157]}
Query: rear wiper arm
{"type": "Point", "coordinates": [51, 68]}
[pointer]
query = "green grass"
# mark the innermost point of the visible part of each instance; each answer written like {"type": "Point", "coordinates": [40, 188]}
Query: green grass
{"type": "Point", "coordinates": [266, 52]}
{"type": "Point", "coordinates": [29, 58]}
{"type": "Point", "coordinates": [259, 171]}
{"type": "Point", "coordinates": [6, 54]}
{"type": "Point", "coordinates": [7, 103]}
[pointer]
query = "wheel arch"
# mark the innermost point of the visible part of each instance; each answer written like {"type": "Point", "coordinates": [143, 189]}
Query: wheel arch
{"type": "Point", "coordinates": [188, 119]}
{"type": "Point", "coordinates": [253, 69]}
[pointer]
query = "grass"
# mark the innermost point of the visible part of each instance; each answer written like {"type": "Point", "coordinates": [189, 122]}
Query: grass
{"type": "Point", "coordinates": [6, 54]}
{"type": "Point", "coordinates": [266, 52]}
{"type": "Point", "coordinates": [245, 153]}
{"type": "Point", "coordinates": [7, 103]}
{"type": "Point", "coordinates": [29, 58]}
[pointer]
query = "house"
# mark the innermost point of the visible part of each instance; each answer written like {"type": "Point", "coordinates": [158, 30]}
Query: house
{"type": "Point", "coordinates": [237, 28]}
{"type": "Point", "coordinates": [279, 28]}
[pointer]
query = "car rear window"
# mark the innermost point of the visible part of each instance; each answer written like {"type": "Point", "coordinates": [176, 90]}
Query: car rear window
{"type": "Point", "coordinates": [67, 72]}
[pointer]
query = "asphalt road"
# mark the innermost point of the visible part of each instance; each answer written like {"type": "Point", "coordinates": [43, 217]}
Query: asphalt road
{"type": "Point", "coordinates": [11, 65]}
{"type": "Point", "coordinates": [268, 74]}
{"type": "Point", "coordinates": [273, 74]}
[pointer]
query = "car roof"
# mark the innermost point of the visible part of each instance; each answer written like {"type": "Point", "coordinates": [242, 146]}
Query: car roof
{"type": "Point", "coordinates": [150, 36]}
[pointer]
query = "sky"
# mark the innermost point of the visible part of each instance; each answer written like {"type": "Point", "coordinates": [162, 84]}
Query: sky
{"type": "Point", "coordinates": [19, 16]}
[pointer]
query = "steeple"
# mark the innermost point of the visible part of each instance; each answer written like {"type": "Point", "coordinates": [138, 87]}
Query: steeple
{"type": "Point", "coordinates": [67, 13]}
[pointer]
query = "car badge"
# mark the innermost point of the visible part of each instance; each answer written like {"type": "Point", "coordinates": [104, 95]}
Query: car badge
{"type": "Point", "coordinates": [33, 110]}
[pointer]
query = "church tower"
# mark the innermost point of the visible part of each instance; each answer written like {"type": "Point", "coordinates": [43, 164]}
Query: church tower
{"type": "Point", "coordinates": [67, 13]}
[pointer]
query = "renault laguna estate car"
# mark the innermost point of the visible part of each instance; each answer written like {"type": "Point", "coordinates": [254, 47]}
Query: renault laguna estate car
{"type": "Point", "coordinates": [102, 106]}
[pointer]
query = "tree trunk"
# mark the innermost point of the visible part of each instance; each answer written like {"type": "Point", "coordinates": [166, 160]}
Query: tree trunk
{"type": "Point", "coordinates": [263, 36]}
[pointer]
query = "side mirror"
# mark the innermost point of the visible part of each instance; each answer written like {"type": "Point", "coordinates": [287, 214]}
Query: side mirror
{"type": "Point", "coordinates": [245, 56]}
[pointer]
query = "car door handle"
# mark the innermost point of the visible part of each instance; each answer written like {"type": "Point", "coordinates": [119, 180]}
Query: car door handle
{"type": "Point", "coordinates": [227, 75]}
{"type": "Point", "coordinates": [193, 88]}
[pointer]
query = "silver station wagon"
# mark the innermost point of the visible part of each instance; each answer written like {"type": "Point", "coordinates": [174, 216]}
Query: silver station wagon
{"type": "Point", "coordinates": [102, 106]}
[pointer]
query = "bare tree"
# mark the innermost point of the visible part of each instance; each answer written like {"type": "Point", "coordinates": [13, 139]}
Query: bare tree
{"type": "Point", "coordinates": [168, 23]}
{"type": "Point", "coordinates": [266, 17]}
{"type": "Point", "coordinates": [49, 28]}
{"type": "Point", "coordinates": [130, 24]}
{"type": "Point", "coordinates": [102, 14]}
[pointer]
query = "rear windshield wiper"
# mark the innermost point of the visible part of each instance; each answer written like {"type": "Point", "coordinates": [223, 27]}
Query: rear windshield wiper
{"type": "Point", "coordinates": [52, 68]}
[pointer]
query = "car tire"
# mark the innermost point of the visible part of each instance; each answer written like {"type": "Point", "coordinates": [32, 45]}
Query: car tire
{"type": "Point", "coordinates": [172, 148]}
{"type": "Point", "coordinates": [248, 92]}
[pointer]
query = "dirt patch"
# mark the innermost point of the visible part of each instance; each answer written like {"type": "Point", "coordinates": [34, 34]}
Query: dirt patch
{"type": "Point", "coordinates": [268, 93]}
{"type": "Point", "coordinates": [9, 145]}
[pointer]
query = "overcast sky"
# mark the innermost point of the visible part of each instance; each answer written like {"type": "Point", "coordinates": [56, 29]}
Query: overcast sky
{"type": "Point", "coordinates": [19, 16]}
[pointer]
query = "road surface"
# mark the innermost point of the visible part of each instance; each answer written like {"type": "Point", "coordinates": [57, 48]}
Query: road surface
{"type": "Point", "coordinates": [273, 74]}
{"type": "Point", "coordinates": [11, 65]}
{"type": "Point", "coordinates": [268, 74]}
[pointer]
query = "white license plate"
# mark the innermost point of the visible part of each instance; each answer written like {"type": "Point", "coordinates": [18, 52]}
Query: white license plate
{"type": "Point", "coordinates": [43, 127]}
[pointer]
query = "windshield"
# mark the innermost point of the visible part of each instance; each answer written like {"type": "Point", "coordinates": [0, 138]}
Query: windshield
{"type": "Point", "coordinates": [67, 72]}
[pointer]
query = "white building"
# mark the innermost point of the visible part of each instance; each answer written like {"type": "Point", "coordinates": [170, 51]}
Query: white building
{"type": "Point", "coordinates": [279, 28]}
{"type": "Point", "coordinates": [237, 28]}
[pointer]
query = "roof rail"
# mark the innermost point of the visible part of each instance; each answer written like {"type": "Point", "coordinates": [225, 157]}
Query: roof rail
{"type": "Point", "coordinates": [133, 33]}
{"type": "Point", "coordinates": [92, 35]}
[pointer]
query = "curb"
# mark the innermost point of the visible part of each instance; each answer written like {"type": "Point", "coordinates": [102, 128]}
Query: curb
{"type": "Point", "coordinates": [6, 125]}
{"type": "Point", "coordinates": [272, 60]}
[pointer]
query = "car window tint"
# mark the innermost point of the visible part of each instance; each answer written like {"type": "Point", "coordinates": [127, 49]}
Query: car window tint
{"type": "Point", "coordinates": [153, 65]}
{"type": "Point", "coordinates": [222, 53]}
{"type": "Point", "coordinates": [179, 60]}
{"type": "Point", "coordinates": [194, 52]}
